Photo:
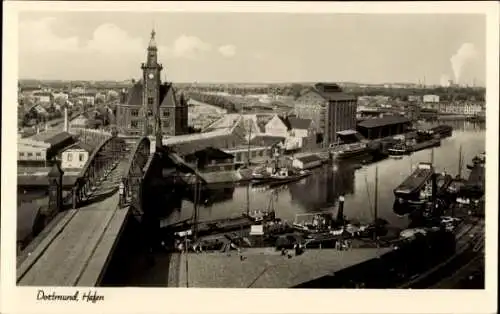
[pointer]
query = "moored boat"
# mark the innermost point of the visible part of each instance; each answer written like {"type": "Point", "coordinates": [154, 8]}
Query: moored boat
{"type": "Point", "coordinates": [411, 194]}
{"type": "Point", "coordinates": [442, 130]}
{"type": "Point", "coordinates": [398, 150]}
{"type": "Point", "coordinates": [283, 176]}
{"type": "Point", "coordinates": [346, 151]}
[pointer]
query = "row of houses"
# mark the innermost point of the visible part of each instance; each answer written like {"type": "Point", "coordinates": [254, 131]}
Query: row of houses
{"type": "Point", "coordinates": [42, 149]}
{"type": "Point", "coordinates": [457, 107]}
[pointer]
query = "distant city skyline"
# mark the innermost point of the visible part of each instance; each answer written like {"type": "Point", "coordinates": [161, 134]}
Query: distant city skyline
{"type": "Point", "coordinates": [255, 47]}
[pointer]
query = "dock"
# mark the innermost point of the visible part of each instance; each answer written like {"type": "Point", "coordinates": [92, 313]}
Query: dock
{"type": "Point", "coordinates": [263, 267]}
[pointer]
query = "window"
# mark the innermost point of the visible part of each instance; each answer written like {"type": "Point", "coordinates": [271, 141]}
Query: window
{"type": "Point", "coordinates": [133, 124]}
{"type": "Point", "coordinates": [134, 113]}
{"type": "Point", "coordinates": [81, 157]}
{"type": "Point", "coordinates": [30, 154]}
{"type": "Point", "coordinates": [38, 154]}
{"type": "Point", "coordinates": [70, 157]}
{"type": "Point", "coordinates": [21, 154]}
{"type": "Point", "coordinates": [150, 113]}
{"type": "Point", "coordinates": [166, 113]}
{"type": "Point", "coordinates": [150, 100]}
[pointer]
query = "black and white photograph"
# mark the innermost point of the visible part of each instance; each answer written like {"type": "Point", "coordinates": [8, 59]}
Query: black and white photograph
{"type": "Point", "coordinates": [250, 149]}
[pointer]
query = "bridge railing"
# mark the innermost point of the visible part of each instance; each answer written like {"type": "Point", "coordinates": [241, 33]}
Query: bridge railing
{"type": "Point", "coordinates": [100, 162]}
{"type": "Point", "coordinates": [134, 172]}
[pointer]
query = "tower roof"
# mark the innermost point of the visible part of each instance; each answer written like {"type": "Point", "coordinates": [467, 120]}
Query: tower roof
{"type": "Point", "coordinates": [152, 41]}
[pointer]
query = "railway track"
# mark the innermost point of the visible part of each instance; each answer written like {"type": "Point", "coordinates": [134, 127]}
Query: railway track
{"type": "Point", "coordinates": [468, 246]}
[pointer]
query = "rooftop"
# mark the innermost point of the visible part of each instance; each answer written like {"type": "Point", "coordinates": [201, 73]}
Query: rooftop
{"type": "Point", "coordinates": [333, 92]}
{"type": "Point", "coordinates": [384, 121]}
{"type": "Point", "coordinates": [52, 137]}
{"type": "Point", "coordinates": [298, 123]}
{"type": "Point", "coordinates": [81, 145]}
{"type": "Point", "coordinates": [266, 140]}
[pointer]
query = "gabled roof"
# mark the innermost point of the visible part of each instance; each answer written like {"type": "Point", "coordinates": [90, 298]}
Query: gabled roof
{"type": "Point", "coordinates": [81, 145]}
{"type": "Point", "coordinates": [265, 140]}
{"type": "Point", "coordinates": [298, 123]}
{"type": "Point", "coordinates": [282, 119]}
{"type": "Point", "coordinates": [332, 91]}
{"type": "Point", "coordinates": [167, 95]}
{"type": "Point", "coordinates": [134, 96]}
{"type": "Point", "coordinates": [59, 138]}
{"type": "Point", "coordinates": [51, 137]}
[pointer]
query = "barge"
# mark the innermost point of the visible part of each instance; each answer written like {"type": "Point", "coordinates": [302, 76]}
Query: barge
{"type": "Point", "coordinates": [347, 151]}
{"type": "Point", "coordinates": [442, 131]}
{"type": "Point", "coordinates": [422, 140]}
{"type": "Point", "coordinates": [410, 194]}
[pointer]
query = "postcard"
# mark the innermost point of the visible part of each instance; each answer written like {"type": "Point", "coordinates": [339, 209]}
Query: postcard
{"type": "Point", "coordinates": [249, 157]}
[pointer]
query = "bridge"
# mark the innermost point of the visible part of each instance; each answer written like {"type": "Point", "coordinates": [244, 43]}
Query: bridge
{"type": "Point", "coordinates": [85, 225]}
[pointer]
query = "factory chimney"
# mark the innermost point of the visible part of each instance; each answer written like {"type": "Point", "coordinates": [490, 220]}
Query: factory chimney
{"type": "Point", "coordinates": [65, 119]}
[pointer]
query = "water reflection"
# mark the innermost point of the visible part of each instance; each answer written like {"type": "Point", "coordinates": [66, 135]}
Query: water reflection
{"type": "Point", "coordinates": [322, 189]}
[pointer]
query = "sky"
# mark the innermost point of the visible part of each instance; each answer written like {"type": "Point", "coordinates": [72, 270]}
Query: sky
{"type": "Point", "coordinates": [255, 47]}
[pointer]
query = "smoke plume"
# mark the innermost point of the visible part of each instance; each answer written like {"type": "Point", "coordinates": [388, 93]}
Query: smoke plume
{"type": "Point", "coordinates": [445, 80]}
{"type": "Point", "coordinates": [464, 54]}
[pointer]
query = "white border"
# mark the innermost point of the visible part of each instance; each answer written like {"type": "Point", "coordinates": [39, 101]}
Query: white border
{"type": "Point", "coordinates": [22, 300]}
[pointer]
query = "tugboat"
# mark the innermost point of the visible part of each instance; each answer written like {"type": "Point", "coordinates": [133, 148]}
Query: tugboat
{"type": "Point", "coordinates": [275, 175]}
{"type": "Point", "coordinates": [262, 216]}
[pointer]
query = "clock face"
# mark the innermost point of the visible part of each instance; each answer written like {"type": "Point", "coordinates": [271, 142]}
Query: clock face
{"type": "Point", "coordinates": [151, 76]}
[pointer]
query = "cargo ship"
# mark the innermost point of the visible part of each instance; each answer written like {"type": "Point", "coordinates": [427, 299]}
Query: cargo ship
{"type": "Point", "coordinates": [412, 193]}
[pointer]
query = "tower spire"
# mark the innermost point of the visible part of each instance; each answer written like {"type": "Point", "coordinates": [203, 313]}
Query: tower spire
{"type": "Point", "coordinates": [152, 41]}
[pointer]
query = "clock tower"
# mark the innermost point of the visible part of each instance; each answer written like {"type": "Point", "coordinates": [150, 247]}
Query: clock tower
{"type": "Point", "coordinates": [151, 70]}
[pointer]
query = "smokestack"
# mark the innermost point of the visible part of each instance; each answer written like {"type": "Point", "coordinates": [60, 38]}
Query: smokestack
{"type": "Point", "coordinates": [65, 119]}
{"type": "Point", "coordinates": [340, 211]}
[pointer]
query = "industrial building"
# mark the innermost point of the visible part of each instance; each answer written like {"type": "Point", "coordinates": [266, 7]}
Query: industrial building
{"type": "Point", "coordinates": [329, 108]}
{"type": "Point", "coordinates": [383, 127]}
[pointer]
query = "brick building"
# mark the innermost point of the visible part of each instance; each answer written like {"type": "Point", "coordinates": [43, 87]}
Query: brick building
{"type": "Point", "coordinates": [330, 109]}
{"type": "Point", "coordinates": [149, 98]}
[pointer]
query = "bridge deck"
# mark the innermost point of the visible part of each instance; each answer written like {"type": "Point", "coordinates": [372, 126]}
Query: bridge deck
{"type": "Point", "coordinates": [76, 250]}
